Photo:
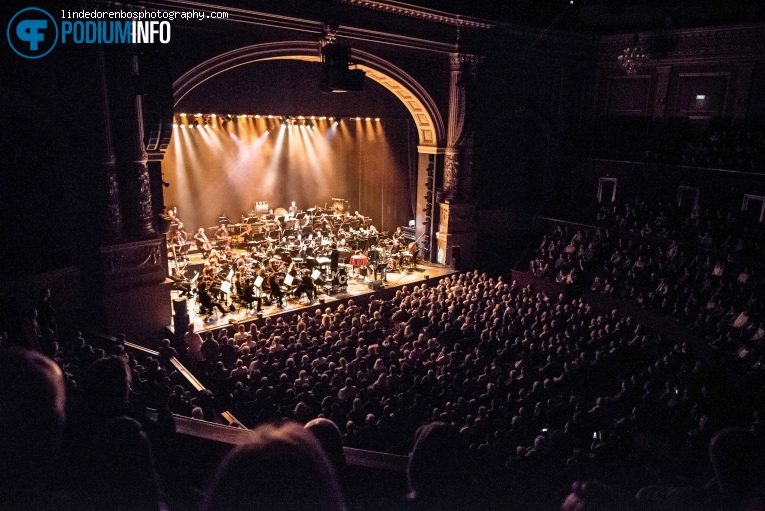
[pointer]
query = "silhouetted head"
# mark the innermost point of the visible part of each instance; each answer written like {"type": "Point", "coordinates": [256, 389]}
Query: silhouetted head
{"type": "Point", "coordinates": [331, 440]}
{"type": "Point", "coordinates": [32, 416]}
{"type": "Point", "coordinates": [282, 468]}
{"type": "Point", "coordinates": [437, 468]}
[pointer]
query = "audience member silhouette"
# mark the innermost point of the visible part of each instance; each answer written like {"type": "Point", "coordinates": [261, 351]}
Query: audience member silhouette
{"type": "Point", "coordinates": [283, 468]}
{"type": "Point", "coordinates": [32, 417]}
{"type": "Point", "coordinates": [438, 469]}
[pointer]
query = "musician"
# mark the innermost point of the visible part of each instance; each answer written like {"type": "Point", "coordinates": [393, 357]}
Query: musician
{"type": "Point", "coordinates": [181, 283]}
{"type": "Point", "coordinates": [248, 293]}
{"type": "Point", "coordinates": [341, 239]}
{"type": "Point", "coordinates": [357, 216]}
{"type": "Point", "coordinates": [292, 209]}
{"type": "Point", "coordinates": [270, 215]}
{"type": "Point", "coordinates": [181, 234]}
{"type": "Point", "coordinates": [373, 260]}
{"type": "Point", "coordinates": [222, 236]}
{"type": "Point", "coordinates": [275, 264]}
{"type": "Point", "coordinates": [207, 301]}
{"type": "Point", "coordinates": [247, 235]}
{"type": "Point", "coordinates": [171, 216]}
{"type": "Point", "coordinates": [398, 235]}
{"type": "Point", "coordinates": [203, 243]}
{"type": "Point", "coordinates": [214, 258]}
{"type": "Point", "coordinates": [229, 254]}
{"type": "Point", "coordinates": [306, 286]}
{"type": "Point", "coordinates": [395, 255]}
{"type": "Point", "coordinates": [334, 259]}
{"type": "Point", "coordinates": [276, 290]}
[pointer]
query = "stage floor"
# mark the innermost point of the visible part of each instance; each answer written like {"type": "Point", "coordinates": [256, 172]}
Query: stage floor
{"type": "Point", "coordinates": [357, 286]}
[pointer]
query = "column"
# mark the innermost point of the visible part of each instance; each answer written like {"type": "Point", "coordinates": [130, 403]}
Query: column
{"type": "Point", "coordinates": [140, 164]}
{"type": "Point", "coordinates": [135, 292]}
{"type": "Point", "coordinates": [113, 210]}
{"type": "Point", "coordinates": [457, 235]}
{"type": "Point", "coordinates": [458, 162]}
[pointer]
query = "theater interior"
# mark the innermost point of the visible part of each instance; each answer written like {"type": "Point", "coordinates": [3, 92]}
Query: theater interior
{"type": "Point", "coordinates": [369, 254]}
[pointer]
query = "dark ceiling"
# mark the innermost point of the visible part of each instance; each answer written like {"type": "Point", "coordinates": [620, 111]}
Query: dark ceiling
{"type": "Point", "coordinates": [607, 16]}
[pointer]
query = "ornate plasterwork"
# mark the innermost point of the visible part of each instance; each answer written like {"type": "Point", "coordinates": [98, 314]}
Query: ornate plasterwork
{"type": "Point", "coordinates": [709, 43]}
{"type": "Point", "coordinates": [139, 257]}
{"type": "Point", "coordinates": [412, 11]}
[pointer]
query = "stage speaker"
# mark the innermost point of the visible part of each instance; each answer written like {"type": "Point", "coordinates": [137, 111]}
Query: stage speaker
{"type": "Point", "coordinates": [375, 284]}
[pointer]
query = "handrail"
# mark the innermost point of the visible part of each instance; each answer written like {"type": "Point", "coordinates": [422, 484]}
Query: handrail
{"type": "Point", "coordinates": [234, 436]}
{"type": "Point", "coordinates": [228, 416]}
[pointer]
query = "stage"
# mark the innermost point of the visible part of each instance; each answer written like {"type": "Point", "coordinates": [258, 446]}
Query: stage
{"type": "Point", "coordinates": [357, 287]}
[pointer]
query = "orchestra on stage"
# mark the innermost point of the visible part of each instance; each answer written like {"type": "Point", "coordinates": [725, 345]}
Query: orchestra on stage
{"type": "Point", "coordinates": [275, 255]}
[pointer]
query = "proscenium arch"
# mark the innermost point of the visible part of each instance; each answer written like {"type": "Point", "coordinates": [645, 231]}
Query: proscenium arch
{"type": "Point", "coordinates": [430, 125]}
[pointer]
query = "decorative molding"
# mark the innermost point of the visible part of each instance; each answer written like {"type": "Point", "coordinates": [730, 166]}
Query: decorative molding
{"type": "Point", "coordinates": [137, 256]}
{"type": "Point", "coordinates": [415, 98]}
{"type": "Point", "coordinates": [412, 11]}
{"type": "Point", "coordinates": [451, 180]}
{"type": "Point", "coordinates": [733, 42]}
{"type": "Point", "coordinates": [133, 264]}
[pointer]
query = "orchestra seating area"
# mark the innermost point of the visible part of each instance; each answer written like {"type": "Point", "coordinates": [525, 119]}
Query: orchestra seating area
{"type": "Point", "coordinates": [524, 393]}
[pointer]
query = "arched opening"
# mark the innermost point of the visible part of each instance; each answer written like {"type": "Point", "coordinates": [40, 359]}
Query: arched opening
{"type": "Point", "coordinates": [430, 126]}
{"type": "Point", "coordinates": [373, 166]}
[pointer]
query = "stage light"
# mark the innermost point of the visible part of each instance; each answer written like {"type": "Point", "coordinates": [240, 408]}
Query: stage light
{"type": "Point", "coordinates": [358, 118]}
{"type": "Point", "coordinates": [323, 117]}
{"type": "Point", "coordinates": [377, 119]}
{"type": "Point", "coordinates": [301, 117]}
{"type": "Point", "coordinates": [257, 116]}
{"type": "Point", "coordinates": [213, 115]}
{"type": "Point", "coordinates": [184, 115]}
{"type": "Point", "coordinates": [313, 117]}
{"type": "Point", "coordinates": [369, 118]}
{"type": "Point", "coordinates": [270, 116]}
{"type": "Point", "coordinates": [183, 126]}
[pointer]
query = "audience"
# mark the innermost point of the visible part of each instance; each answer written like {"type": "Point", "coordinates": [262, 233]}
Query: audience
{"type": "Point", "coordinates": [474, 375]}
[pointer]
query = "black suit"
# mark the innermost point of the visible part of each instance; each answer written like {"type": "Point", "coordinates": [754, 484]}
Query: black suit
{"type": "Point", "coordinates": [334, 259]}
